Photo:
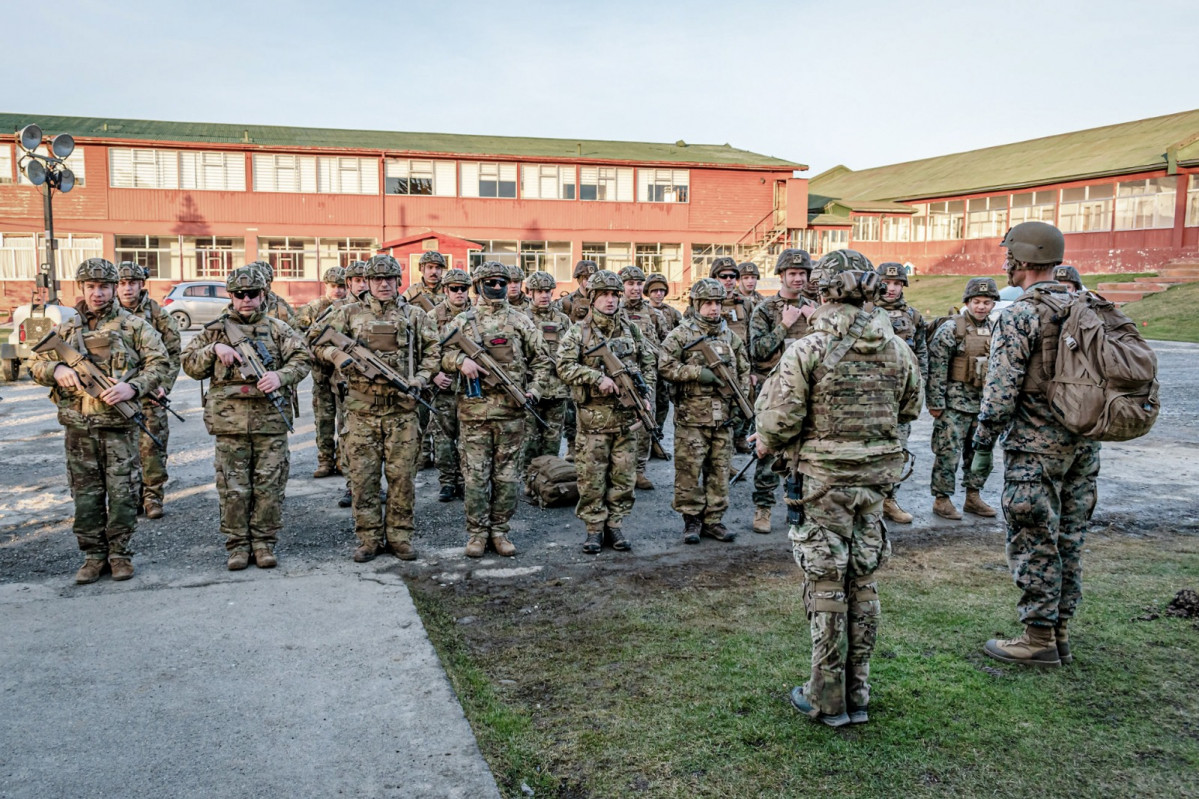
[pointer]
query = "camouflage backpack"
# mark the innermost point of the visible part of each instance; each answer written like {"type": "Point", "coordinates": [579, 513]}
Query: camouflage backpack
{"type": "Point", "coordinates": [553, 481]}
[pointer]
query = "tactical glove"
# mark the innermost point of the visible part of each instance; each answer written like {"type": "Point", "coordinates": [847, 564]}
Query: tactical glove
{"type": "Point", "coordinates": [707, 377]}
{"type": "Point", "coordinates": [982, 463]}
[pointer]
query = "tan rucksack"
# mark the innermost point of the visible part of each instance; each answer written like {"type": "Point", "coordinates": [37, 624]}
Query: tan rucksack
{"type": "Point", "coordinates": [1104, 385]}
{"type": "Point", "coordinates": [553, 481]}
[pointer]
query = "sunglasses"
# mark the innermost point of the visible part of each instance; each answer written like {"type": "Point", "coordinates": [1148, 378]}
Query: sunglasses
{"type": "Point", "coordinates": [729, 276]}
{"type": "Point", "coordinates": [495, 284]}
{"type": "Point", "coordinates": [455, 288]}
{"type": "Point", "coordinates": [248, 294]}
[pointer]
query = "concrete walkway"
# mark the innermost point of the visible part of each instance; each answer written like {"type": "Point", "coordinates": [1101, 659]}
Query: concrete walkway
{"type": "Point", "coordinates": [255, 684]}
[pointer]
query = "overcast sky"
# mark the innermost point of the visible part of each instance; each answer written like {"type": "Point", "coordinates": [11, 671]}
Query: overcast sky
{"type": "Point", "coordinates": [860, 83]}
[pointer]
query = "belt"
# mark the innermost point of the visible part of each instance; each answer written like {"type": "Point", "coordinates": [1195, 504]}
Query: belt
{"type": "Point", "coordinates": [382, 400]}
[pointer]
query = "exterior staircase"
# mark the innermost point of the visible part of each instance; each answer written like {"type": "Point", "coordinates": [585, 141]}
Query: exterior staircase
{"type": "Point", "coordinates": [1167, 276]}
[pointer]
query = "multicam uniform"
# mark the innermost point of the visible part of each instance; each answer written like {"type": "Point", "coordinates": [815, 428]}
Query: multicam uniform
{"type": "Point", "coordinates": [252, 460]}
{"type": "Point", "coordinates": [551, 407]}
{"type": "Point", "coordinates": [445, 400]}
{"type": "Point", "coordinates": [101, 444]}
{"type": "Point", "coordinates": [423, 297]}
{"type": "Point", "coordinates": [328, 410]}
{"type": "Point", "coordinates": [653, 329]}
{"type": "Point", "coordinates": [154, 460]}
{"type": "Point", "coordinates": [576, 307]}
{"type": "Point", "coordinates": [836, 421]}
{"type": "Point", "coordinates": [672, 317]}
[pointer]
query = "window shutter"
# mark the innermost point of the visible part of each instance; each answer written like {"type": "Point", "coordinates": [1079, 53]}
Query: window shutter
{"type": "Point", "coordinates": [530, 186]}
{"type": "Point", "coordinates": [644, 176]}
{"type": "Point", "coordinates": [368, 176]}
{"type": "Point", "coordinates": [624, 185]}
{"type": "Point", "coordinates": [470, 180]}
{"type": "Point", "coordinates": [444, 184]}
{"type": "Point", "coordinates": [306, 168]}
{"type": "Point", "coordinates": [120, 168]}
{"type": "Point", "coordinates": [190, 172]}
{"type": "Point", "coordinates": [264, 173]}
{"type": "Point", "coordinates": [508, 172]}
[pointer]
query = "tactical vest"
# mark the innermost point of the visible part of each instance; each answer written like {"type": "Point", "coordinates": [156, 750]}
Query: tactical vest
{"type": "Point", "coordinates": [227, 381]}
{"type": "Point", "coordinates": [108, 347]}
{"type": "Point", "coordinates": [643, 318]}
{"type": "Point", "coordinates": [857, 400]}
{"type": "Point", "coordinates": [670, 314]}
{"type": "Point", "coordinates": [903, 323]}
{"type": "Point", "coordinates": [736, 315]}
{"type": "Point", "coordinates": [422, 298]}
{"type": "Point", "coordinates": [393, 339]}
{"type": "Point", "coordinates": [444, 313]}
{"type": "Point", "coordinates": [551, 331]}
{"type": "Point", "coordinates": [773, 307]}
{"type": "Point", "coordinates": [575, 306]}
{"type": "Point", "coordinates": [623, 346]}
{"type": "Point", "coordinates": [692, 357]}
{"type": "Point", "coordinates": [974, 343]}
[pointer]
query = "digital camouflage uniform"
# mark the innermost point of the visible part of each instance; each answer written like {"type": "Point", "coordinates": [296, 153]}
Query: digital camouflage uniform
{"type": "Point", "coordinates": [552, 324]}
{"type": "Point", "coordinates": [252, 458]}
{"type": "Point", "coordinates": [839, 427]}
{"type": "Point", "coordinates": [153, 459]}
{"type": "Point", "coordinates": [606, 442]}
{"type": "Point", "coordinates": [445, 400]}
{"type": "Point", "coordinates": [103, 465]}
{"type": "Point", "coordinates": [491, 426]}
{"type": "Point", "coordinates": [955, 388]}
{"type": "Point", "coordinates": [328, 410]}
{"type": "Point", "coordinates": [383, 430]}
{"type": "Point", "coordinates": [703, 415]}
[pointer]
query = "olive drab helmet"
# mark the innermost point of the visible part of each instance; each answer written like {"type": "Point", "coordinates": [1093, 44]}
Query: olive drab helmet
{"type": "Point", "coordinates": [656, 279]}
{"type": "Point", "coordinates": [128, 270]}
{"type": "Point", "coordinates": [1067, 274]}
{"type": "Point", "coordinates": [455, 277]}
{"type": "Point", "coordinates": [981, 287]}
{"type": "Point", "coordinates": [792, 258]}
{"type": "Point", "coordinates": [515, 274]}
{"type": "Point", "coordinates": [585, 268]}
{"type": "Point", "coordinates": [246, 278]}
{"type": "Point", "coordinates": [846, 276]}
{"type": "Point", "coordinates": [632, 273]}
{"type": "Point", "coordinates": [488, 270]}
{"type": "Point", "coordinates": [722, 263]}
{"type": "Point", "coordinates": [1035, 243]}
{"type": "Point", "coordinates": [356, 269]}
{"type": "Point", "coordinates": [603, 280]}
{"type": "Point", "coordinates": [892, 270]}
{"type": "Point", "coordinates": [541, 281]}
{"type": "Point", "coordinates": [98, 270]}
{"type": "Point", "coordinates": [383, 266]}
{"type": "Point", "coordinates": [432, 257]}
{"type": "Point", "coordinates": [335, 276]}
{"type": "Point", "coordinates": [749, 268]}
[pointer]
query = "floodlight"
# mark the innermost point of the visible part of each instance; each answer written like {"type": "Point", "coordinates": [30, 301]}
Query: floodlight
{"type": "Point", "coordinates": [36, 172]}
{"type": "Point", "coordinates": [66, 180]}
{"type": "Point", "coordinates": [29, 137]}
{"type": "Point", "coordinates": [62, 145]}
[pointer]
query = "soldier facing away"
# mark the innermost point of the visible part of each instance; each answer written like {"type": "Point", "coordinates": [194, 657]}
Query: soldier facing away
{"type": "Point", "coordinates": [1049, 473]}
{"type": "Point", "coordinates": [134, 298]}
{"type": "Point", "coordinates": [101, 444]}
{"type": "Point", "coordinates": [328, 415]}
{"type": "Point", "coordinates": [832, 407]}
{"type": "Point", "coordinates": [252, 456]}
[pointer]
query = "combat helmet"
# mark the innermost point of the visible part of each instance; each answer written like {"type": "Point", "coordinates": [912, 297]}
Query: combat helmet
{"type": "Point", "coordinates": [656, 278]}
{"type": "Point", "coordinates": [1035, 243]}
{"type": "Point", "coordinates": [980, 287]}
{"type": "Point", "coordinates": [603, 280]}
{"type": "Point", "coordinates": [893, 270]}
{"type": "Point", "coordinates": [632, 273]}
{"type": "Point", "coordinates": [846, 276]}
{"type": "Point", "coordinates": [246, 278]}
{"type": "Point", "coordinates": [432, 257]}
{"type": "Point", "coordinates": [749, 268]}
{"type": "Point", "coordinates": [708, 288]}
{"type": "Point", "coordinates": [99, 270]}
{"type": "Point", "coordinates": [383, 266]}
{"type": "Point", "coordinates": [585, 268]}
{"type": "Point", "coordinates": [793, 258]}
{"type": "Point", "coordinates": [356, 269]}
{"type": "Point", "coordinates": [1067, 274]}
{"type": "Point", "coordinates": [334, 275]}
{"type": "Point", "coordinates": [455, 277]}
{"type": "Point", "coordinates": [541, 281]}
{"type": "Point", "coordinates": [128, 270]}
{"type": "Point", "coordinates": [488, 270]}
{"type": "Point", "coordinates": [515, 274]}
{"type": "Point", "coordinates": [720, 264]}
{"type": "Point", "coordinates": [268, 271]}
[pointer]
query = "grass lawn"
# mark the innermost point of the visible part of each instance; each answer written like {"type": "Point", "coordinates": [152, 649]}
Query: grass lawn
{"type": "Point", "coordinates": [670, 679]}
{"type": "Point", "coordinates": [935, 295]}
{"type": "Point", "coordinates": [1171, 315]}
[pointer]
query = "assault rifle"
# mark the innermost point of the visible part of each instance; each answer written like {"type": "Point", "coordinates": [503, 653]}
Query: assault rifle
{"type": "Point", "coordinates": [369, 364]}
{"type": "Point", "coordinates": [93, 379]}
{"type": "Point", "coordinates": [163, 402]}
{"type": "Point", "coordinates": [724, 374]}
{"type": "Point", "coordinates": [493, 374]}
{"type": "Point", "coordinates": [255, 363]}
{"type": "Point", "coordinates": [632, 389]}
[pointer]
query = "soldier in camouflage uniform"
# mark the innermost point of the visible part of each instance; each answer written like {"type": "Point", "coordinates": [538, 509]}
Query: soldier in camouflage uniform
{"type": "Point", "coordinates": [328, 416]}
{"type": "Point", "coordinates": [776, 323]}
{"type": "Point", "coordinates": [747, 284]}
{"type": "Point", "coordinates": [252, 457]}
{"type": "Point", "coordinates": [606, 448]}
{"type": "Point", "coordinates": [703, 443]}
{"type": "Point", "coordinates": [653, 329]}
{"type": "Point", "coordinates": [957, 367]}
{"type": "Point", "coordinates": [832, 407]}
{"type": "Point", "coordinates": [551, 407]}
{"type": "Point", "coordinates": [736, 312]}
{"type": "Point", "coordinates": [134, 298]}
{"type": "Point", "coordinates": [427, 293]}
{"type": "Point", "coordinates": [576, 307]}
{"type": "Point", "coordinates": [492, 423]}
{"type": "Point", "coordinates": [1068, 276]}
{"type": "Point", "coordinates": [356, 280]}
{"type": "Point", "coordinates": [383, 433]}
{"type": "Point", "coordinates": [656, 288]}
{"type": "Point", "coordinates": [356, 287]}
{"type": "Point", "coordinates": [101, 444]}
{"type": "Point", "coordinates": [1049, 473]}
{"type": "Point", "coordinates": [517, 299]}
{"type": "Point", "coordinates": [909, 326]}
{"type": "Point", "coordinates": [455, 285]}
{"type": "Point", "coordinates": [273, 304]}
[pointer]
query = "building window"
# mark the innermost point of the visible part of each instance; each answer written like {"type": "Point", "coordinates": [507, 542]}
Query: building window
{"type": "Point", "coordinates": [986, 217]}
{"type": "Point", "coordinates": [285, 173]}
{"type": "Point", "coordinates": [606, 184]}
{"type": "Point", "coordinates": [345, 175]}
{"type": "Point", "coordinates": [289, 256]}
{"type": "Point", "coordinates": [919, 222]}
{"type": "Point", "coordinates": [212, 257]}
{"type": "Point", "coordinates": [18, 256]}
{"type": "Point", "coordinates": [1033, 206]}
{"type": "Point", "coordinates": [702, 256]}
{"type": "Point", "coordinates": [946, 220]}
{"type": "Point", "coordinates": [157, 255]}
{"type": "Point", "coordinates": [664, 258]}
{"type": "Point", "coordinates": [547, 182]}
{"type": "Point", "coordinates": [865, 228]}
{"type": "Point", "coordinates": [609, 255]}
{"type": "Point", "coordinates": [663, 185]}
{"type": "Point", "coordinates": [72, 250]}
{"type": "Point", "coordinates": [343, 252]}
{"type": "Point", "coordinates": [1146, 204]}
{"type": "Point", "coordinates": [547, 256]}
{"type": "Point", "coordinates": [6, 173]}
{"type": "Point", "coordinates": [306, 174]}
{"type": "Point", "coordinates": [1192, 201]}
{"type": "Point", "coordinates": [897, 228]}
{"type": "Point", "coordinates": [176, 169]}
{"type": "Point", "coordinates": [835, 239]}
{"type": "Point", "coordinates": [506, 252]}
{"type": "Point", "coordinates": [488, 180]}
{"type": "Point", "coordinates": [1086, 209]}
{"type": "Point", "coordinates": [428, 178]}
{"type": "Point", "coordinates": [73, 162]}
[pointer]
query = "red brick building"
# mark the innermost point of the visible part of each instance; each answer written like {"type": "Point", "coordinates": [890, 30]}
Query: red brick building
{"type": "Point", "coordinates": [1126, 196]}
{"type": "Point", "coordinates": [191, 201]}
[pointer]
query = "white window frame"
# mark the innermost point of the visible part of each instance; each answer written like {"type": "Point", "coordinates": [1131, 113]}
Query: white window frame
{"type": "Point", "coordinates": [986, 217]}
{"type": "Point", "coordinates": [1092, 213]}
{"type": "Point", "coordinates": [441, 177]}
{"type": "Point", "coordinates": [19, 256]}
{"type": "Point", "coordinates": [158, 259]}
{"type": "Point", "coordinates": [1192, 217]}
{"type": "Point", "coordinates": [664, 185]}
{"type": "Point", "coordinates": [1146, 204]}
{"type": "Point", "coordinates": [296, 259]}
{"type": "Point", "coordinates": [947, 220]}
{"type": "Point", "coordinates": [666, 258]}
{"type": "Point", "coordinates": [606, 184]}
{"type": "Point", "coordinates": [475, 173]}
{"type": "Point", "coordinates": [866, 227]}
{"type": "Point", "coordinates": [346, 174]}
{"type": "Point", "coordinates": [548, 182]}
{"type": "Point", "coordinates": [1040, 207]}
{"type": "Point", "coordinates": [897, 228]}
{"type": "Point", "coordinates": [6, 164]}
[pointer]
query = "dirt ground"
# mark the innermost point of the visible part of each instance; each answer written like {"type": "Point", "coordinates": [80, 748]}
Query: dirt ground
{"type": "Point", "coordinates": [1146, 485]}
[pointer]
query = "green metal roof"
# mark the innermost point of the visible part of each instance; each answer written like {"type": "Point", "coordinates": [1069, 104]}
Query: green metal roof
{"type": "Point", "coordinates": [84, 128]}
{"type": "Point", "coordinates": [1111, 150]}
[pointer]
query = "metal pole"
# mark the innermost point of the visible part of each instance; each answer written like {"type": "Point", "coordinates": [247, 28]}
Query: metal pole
{"type": "Point", "coordinates": [51, 246]}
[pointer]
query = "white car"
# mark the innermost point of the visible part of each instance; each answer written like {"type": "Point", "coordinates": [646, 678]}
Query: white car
{"type": "Point", "coordinates": [195, 303]}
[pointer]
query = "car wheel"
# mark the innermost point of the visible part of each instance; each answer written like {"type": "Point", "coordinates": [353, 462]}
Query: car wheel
{"type": "Point", "coordinates": [183, 320]}
{"type": "Point", "coordinates": [10, 370]}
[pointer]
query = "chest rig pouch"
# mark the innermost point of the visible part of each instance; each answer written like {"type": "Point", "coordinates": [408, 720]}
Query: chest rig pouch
{"type": "Point", "coordinates": [974, 346]}
{"type": "Point", "coordinates": [381, 336]}
{"type": "Point", "coordinates": [903, 325]}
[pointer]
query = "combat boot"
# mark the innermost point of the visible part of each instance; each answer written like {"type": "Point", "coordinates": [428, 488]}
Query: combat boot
{"type": "Point", "coordinates": [503, 546]}
{"type": "Point", "coordinates": [643, 483]}
{"type": "Point", "coordinates": [801, 703]}
{"type": "Point", "coordinates": [895, 513]}
{"type": "Point", "coordinates": [347, 499]}
{"type": "Point", "coordinates": [237, 561]}
{"type": "Point", "coordinates": [718, 531]}
{"type": "Point", "coordinates": [476, 546]}
{"type": "Point", "coordinates": [122, 568]}
{"type": "Point", "coordinates": [943, 507]}
{"type": "Point", "coordinates": [691, 528]}
{"type": "Point", "coordinates": [153, 508]}
{"type": "Point", "coordinates": [1063, 642]}
{"type": "Point", "coordinates": [762, 520]}
{"type": "Point", "coordinates": [90, 571]}
{"type": "Point", "coordinates": [324, 469]}
{"type": "Point", "coordinates": [403, 550]}
{"type": "Point", "coordinates": [570, 451]}
{"type": "Point", "coordinates": [366, 552]}
{"type": "Point", "coordinates": [595, 539]}
{"type": "Point", "coordinates": [446, 494]}
{"type": "Point", "coordinates": [974, 504]}
{"type": "Point", "coordinates": [617, 541]}
{"type": "Point", "coordinates": [265, 559]}
{"type": "Point", "coordinates": [1036, 647]}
